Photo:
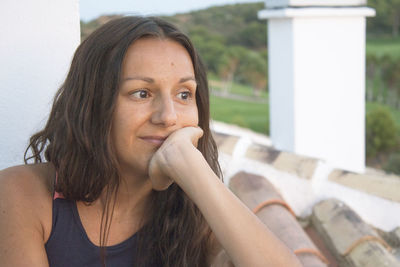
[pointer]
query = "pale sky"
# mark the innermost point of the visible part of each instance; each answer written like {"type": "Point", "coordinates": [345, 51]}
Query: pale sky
{"type": "Point", "coordinates": [90, 9]}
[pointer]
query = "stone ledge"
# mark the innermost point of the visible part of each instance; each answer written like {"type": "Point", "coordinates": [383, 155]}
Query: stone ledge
{"type": "Point", "coordinates": [372, 182]}
{"type": "Point", "coordinates": [392, 237]}
{"type": "Point", "coordinates": [225, 143]}
{"type": "Point", "coordinates": [262, 153]}
{"type": "Point", "coordinates": [342, 229]}
{"type": "Point", "coordinates": [301, 166]}
{"type": "Point", "coordinates": [254, 190]}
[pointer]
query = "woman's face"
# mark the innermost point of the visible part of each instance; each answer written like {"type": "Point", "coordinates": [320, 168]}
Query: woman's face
{"type": "Point", "coordinates": [156, 97]}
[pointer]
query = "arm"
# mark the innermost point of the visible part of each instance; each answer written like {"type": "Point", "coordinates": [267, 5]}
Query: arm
{"type": "Point", "coordinates": [21, 242]}
{"type": "Point", "coordinates": [218, 256]}
{"type": "Point", "coordinates": [246, 240]}
{"type": "Point", "coordinates": [221, 260]}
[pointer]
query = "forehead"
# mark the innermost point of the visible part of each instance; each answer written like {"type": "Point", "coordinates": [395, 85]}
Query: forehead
{"type": "Point", "coordinates": [154, 55]}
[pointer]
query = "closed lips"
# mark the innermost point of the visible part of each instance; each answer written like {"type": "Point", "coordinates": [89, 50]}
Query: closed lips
{"type": "Point", "coordinates": [158, 140]}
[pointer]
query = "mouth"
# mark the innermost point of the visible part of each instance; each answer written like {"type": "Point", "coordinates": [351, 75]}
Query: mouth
{"type": "Point", "coordinates": [155, 140]}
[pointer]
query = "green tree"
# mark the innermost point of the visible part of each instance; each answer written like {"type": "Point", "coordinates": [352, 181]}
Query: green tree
{"type": "Point", "coordinates": [381, 132]}
{"type": "Point", "coordinates": [387, 16]}
{"type": "Point", "coordinates": [253, 71]}
{"type": "Point", "coordinates": [228, 65]}
{"type": "Point", "coordinates": [390, 69]}
{"type": "Point", "coordinates": [211, 47]}
{"type": "Point", "coordinates": [393, 163]}
{"type": "Point", "coordinates": [253, 36]}
{"type": "Point", "coordinates": [238, 24]}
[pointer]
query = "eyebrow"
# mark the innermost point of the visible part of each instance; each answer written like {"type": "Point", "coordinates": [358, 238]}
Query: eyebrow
{"type": "Point", "coordinates": [151, 80]}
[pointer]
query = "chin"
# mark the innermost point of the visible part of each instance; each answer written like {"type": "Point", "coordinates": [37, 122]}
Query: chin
{"type": "Point", "coordinates": [140, 168]}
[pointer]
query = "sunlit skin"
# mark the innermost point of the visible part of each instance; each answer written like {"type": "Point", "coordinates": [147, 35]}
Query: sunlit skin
{"type": "Point", "coordinates": [156, 97]}
{"type": "Point", "coordinates": [154, 134]}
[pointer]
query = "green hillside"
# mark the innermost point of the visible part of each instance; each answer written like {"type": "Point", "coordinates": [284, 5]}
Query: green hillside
{"type": "Point", "coordinates": [231, 24]}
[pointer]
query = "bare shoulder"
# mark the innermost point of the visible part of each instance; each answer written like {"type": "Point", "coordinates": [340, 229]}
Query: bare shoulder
{"type": "Point", "coordinates": [25, 214]}
{"type": "Point", "coordinates": [26, 182]}
{"type": "Point", "coordinates": [25, 191]}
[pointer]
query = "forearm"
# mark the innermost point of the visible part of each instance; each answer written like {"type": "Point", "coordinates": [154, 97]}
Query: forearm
{"type": "Point", "coordinates": [245, 238]}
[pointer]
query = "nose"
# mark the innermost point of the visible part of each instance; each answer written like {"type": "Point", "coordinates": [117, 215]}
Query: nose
{"type": "Point", "coordinates": [164, 112]}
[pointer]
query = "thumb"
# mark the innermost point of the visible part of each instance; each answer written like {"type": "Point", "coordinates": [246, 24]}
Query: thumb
{"type": "Point", "coordinates": [196, 134]}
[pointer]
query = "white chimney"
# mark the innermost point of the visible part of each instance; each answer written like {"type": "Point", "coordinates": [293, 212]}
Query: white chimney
{"type": "Point", "coordinates": [316, 51]}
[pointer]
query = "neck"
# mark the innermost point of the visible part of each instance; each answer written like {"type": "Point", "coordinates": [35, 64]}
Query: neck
{"type": "Point", "coordinates": [131, 199]}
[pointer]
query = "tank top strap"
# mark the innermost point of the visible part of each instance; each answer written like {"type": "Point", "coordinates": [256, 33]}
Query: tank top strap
{"type": "Point", "coordinates": [55, 193]}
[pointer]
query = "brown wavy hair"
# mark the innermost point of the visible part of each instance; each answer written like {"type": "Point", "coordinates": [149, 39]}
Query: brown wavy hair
{"type": "Point", "coordinates": [76, 140]}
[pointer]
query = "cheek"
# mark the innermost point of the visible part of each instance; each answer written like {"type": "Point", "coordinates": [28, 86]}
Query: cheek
{"type": "Point", "coordinates": [196, 117]}
{"type": "Point", "coordinates": [190, 117]}
{"type": "Point", "coordinates": [117, 135]}
{"type": "Point", "coordinates": [128, 116]}
{"type": "Point", "coordinates": [118, 125]}
{"type": "Point", "coordinates": [123, 127]}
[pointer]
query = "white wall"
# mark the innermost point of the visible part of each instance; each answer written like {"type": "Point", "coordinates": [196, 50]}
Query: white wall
{"type": "Point", "coordinates": [38, 39]}
{"type": "Point", "coordinates": [280, 76]}
{"type": "Point", "coordinates": [330, 90]}
{"type": "Point", "coordinates": [317, 82]}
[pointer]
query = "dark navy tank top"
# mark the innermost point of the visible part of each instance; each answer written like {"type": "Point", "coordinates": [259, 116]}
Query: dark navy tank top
{"type": "Point", "coordinates": [69, 246]}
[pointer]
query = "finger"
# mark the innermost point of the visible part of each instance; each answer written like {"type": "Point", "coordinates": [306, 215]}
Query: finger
{"type": "Point", "coordinates": [159, 180]}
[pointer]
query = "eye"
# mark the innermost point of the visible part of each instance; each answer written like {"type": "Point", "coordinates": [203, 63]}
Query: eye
{"type": "Point", "coordinates": [142, 93]}
{"type": "Point", "coordinates": [185, 95]}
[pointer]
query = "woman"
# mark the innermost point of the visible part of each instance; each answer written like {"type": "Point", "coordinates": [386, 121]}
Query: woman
{"type": "Point", "coordinates": [131, 171]}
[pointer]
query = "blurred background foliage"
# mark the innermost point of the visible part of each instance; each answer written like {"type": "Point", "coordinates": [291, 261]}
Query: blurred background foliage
{"type": "Point", "coordinates": [232, 42]}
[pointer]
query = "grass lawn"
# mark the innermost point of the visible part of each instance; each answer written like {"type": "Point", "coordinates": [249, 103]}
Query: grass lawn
{"type": "Point", "coordinates": [381, 46]}
{"type": "Point", "coordinates": [238, 89]}
{"type": "Point", "coordinates": [256, 115]}
{"type": "Point", "coordinates": [245, 114]}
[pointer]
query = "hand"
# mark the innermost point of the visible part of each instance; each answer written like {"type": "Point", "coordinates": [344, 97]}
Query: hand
{"type": "Point", "coordinates": [172, 155]}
